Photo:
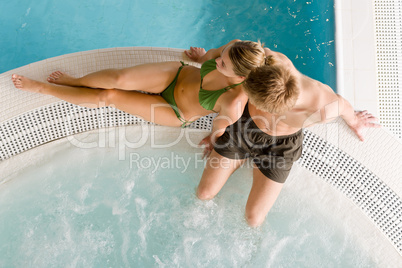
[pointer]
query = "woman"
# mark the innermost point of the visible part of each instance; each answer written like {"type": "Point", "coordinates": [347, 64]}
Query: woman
{"type": "Point", "coordinates": [186, 92]}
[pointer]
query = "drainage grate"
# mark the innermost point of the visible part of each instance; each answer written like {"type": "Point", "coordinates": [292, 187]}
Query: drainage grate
{"type": "Point", "coordinates": [388, 36]}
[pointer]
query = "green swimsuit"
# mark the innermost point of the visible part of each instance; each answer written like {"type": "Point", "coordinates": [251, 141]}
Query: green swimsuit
{"type": "Point", "coordinates": [207, 98]}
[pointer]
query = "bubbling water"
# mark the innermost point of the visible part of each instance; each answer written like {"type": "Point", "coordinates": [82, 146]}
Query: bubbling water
{"type": "Point", "coordinates": [86, 208]}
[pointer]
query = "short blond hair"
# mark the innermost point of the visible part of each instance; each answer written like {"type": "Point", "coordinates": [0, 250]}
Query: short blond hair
{"type": "Point", "coordinates": [246, 56]}
{"type": "Point", "coordinates": [272, 89]}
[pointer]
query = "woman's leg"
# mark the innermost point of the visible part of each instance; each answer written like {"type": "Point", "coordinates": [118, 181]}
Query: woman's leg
{"type": "Point", "coordinates": [150, 107]}
{"type": "Point", "coordinates": [217, 171]}
{"type": "Point", "coordinates": [151, 77]}
{"type": "Point", "coordinates": [262, 197]}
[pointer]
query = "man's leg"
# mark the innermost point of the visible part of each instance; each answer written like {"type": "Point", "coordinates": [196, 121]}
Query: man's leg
{"type": "Point", "coordinates": [262, 197]}
{"type": "Point", "coordinates": [217, 171]}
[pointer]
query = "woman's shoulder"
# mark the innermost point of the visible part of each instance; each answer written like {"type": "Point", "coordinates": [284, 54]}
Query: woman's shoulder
{"type": "Point", "coordinates": [233, 104]}
{"type": "Point", "coordinates": [232, 97]}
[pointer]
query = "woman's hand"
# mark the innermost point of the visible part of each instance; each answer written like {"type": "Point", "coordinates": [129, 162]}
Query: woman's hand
{"type": "Point", "coordinates": [207, 142]}
{"type": "Point", "coordinates": [195, 54]}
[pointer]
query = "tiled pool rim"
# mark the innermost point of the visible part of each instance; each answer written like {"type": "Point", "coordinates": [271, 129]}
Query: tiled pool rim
{"type": "Point", "coordinates": [330, 151]}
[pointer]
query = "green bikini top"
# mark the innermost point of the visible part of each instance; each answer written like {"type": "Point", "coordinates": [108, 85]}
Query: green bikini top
{"type": "Point", "coordinates": [208, 98]}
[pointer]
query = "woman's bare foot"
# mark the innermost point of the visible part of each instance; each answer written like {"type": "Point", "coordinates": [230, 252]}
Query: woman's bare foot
{"type": "Point", "coordinates": [24, 83]}
{"type": "Point", "coordinates": [62, 79]}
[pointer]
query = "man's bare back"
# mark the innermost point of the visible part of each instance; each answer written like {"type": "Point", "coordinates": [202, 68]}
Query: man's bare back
{"type": "Point", "coordinates": [316, 103]}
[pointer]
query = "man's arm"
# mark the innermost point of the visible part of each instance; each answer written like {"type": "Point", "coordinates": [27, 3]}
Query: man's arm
{"type": "Point", "coordinates": [338, 106]}
{"type": "Point", "coordinates": [356, 120]}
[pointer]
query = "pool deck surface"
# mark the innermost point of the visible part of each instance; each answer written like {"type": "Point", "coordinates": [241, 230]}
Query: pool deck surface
{"type": "Point", "coordinates": [356, 58]}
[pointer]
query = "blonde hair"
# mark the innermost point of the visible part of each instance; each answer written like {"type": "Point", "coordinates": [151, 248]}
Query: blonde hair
{"type": "Point", "coordinates": [272, 89]}
{"type": "Point", "coordinates": [246, 56]}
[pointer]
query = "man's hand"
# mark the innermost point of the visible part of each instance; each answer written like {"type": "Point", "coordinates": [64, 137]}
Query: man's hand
{"type": "Point", "coordinates": [362, 120]}
{"type": "Point", "coordinates": [207, 142]}
{"type": "Point", "coordinates": [195, 53]}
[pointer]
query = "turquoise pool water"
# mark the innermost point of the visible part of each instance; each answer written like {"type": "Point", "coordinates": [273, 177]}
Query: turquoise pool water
{"type": "Point", "coordinates": [86, 208]}
{"type": "Point", "coordinates": [36, 30]}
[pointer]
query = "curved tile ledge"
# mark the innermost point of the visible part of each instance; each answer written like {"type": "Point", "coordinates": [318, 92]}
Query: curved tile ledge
{"type": "Point", "coordinates": [368, 176]}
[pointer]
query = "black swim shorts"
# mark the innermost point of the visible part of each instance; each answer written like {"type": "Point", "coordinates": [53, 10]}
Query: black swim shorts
{"type": "Point", "coordinates": [273, 155]}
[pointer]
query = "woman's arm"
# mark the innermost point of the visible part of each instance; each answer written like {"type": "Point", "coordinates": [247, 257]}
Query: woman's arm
{"type": "Point", "coordinates": [199, 55]}
{"type": "Point", "coordinates": [228, 115]}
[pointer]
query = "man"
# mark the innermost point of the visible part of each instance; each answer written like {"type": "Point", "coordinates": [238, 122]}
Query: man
{"type": "Point", "coordinates": [281, 102]}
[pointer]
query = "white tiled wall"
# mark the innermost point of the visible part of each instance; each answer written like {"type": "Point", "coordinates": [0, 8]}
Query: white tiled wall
{"type": "Point", "coordinates": [355, 48]}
